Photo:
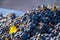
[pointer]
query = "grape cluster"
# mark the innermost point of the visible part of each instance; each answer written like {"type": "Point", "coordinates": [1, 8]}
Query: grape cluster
{"type": "Point", "coordinates": [39, 24]}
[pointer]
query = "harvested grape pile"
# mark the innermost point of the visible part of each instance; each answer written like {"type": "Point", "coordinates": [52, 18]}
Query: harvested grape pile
{"type": "Point", "coordinates": [38, 24]}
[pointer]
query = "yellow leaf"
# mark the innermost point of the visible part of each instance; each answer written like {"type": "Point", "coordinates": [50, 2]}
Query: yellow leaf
{"type": "Point", "coordinates": [13, 29]}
